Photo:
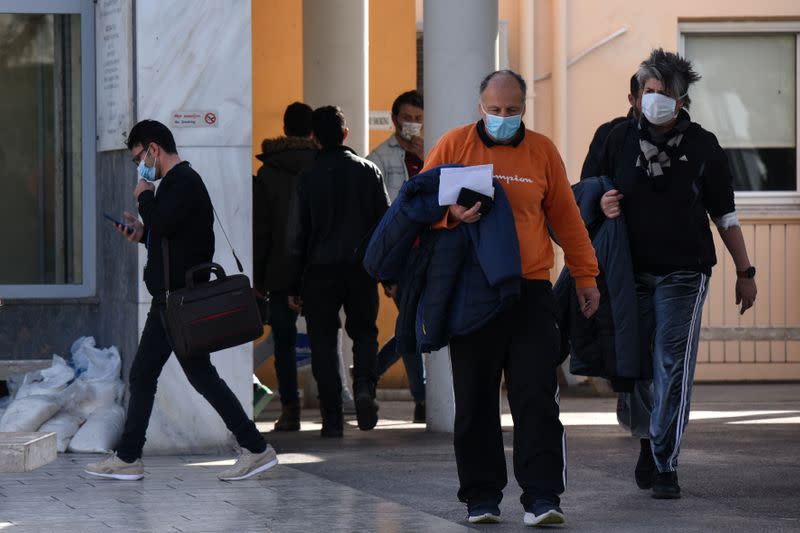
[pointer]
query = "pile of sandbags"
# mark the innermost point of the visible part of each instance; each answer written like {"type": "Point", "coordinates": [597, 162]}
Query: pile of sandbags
{"type": "Point", "coordinates": [79, 400]}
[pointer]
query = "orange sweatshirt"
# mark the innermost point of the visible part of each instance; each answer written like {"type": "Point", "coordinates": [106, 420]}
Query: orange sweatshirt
{"type": "Point", "coordinates": [534, 179]}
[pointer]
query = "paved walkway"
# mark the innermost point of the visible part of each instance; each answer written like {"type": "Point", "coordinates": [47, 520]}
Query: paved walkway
{"type": "Point", "coordinates": [740, 471]}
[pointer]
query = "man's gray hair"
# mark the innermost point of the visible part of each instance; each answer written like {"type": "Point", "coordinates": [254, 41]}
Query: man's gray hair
{"type": "Point", "coordinates": [674, 71]}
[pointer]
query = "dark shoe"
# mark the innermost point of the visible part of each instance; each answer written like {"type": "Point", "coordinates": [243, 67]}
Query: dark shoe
{"type": "Point", "coordinates": [366, 407]}
{"type": "Point", "coordinates": [665, 486]}
{"type": "Point", "coordinates": [419, 413]}
{"type": "Point", "coordinates": [483, 513]}
{"type": "Point", "coordinates": [543, 513]}
{"type": "Point", "coordinates": [289, 419]}
{"type": "Point", "coordinates": [332, 423]}
{"type": "Point", "coordinates": [645, 466]}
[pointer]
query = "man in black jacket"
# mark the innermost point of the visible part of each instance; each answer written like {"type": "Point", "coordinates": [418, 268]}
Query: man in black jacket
{"type": "Point", "coordinates": [284, 159]}
{"type": "Point", "coordinates": [339, 202]}
{"type": "Point", "coordinates": [180, 212]}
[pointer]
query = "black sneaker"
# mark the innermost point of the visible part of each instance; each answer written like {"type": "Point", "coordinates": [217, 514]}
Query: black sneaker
{"type": "Point", "coordinates": [419, 413]}
{"type": "Point", "coordinates": [483, 513]}
{"type": "Point", "coordinates": [366, 408]}
{"type": "Point", "coordinates": [543, 513]}
{"type": "Point", "coordinates": [665, 486]}
{"type": "Point", "coordinates": [332, 423]}
{"type": "Point", "coordinates": [645, 466]}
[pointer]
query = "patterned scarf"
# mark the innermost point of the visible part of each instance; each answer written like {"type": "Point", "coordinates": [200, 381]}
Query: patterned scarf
{"type": "Point", "coordinates": [658, 149]}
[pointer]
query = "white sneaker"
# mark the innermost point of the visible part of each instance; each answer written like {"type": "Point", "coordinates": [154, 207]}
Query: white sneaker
{"type": "Point", "coordinates": [550, 515]}
{"type": "Point", "coordinates": [115, 468]}
{"type": "Point", "coordinates": [249, 464]}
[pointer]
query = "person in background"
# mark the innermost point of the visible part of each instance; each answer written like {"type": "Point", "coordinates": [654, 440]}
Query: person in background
{"type": "Point", "coordinates": [591, 165]}
{"type": "Point", "coordinates": [670, 176]}
{"type": "Point", "coordinates": [339, 201]}
{"type": "Point", "coordinates": [638, 426]}
{"type": "Point", "coordinates": [521, 341]}
{"type": "Point", "coordinates": [283, 158]}
{"type": "Point", "coordinates": [399, 158]}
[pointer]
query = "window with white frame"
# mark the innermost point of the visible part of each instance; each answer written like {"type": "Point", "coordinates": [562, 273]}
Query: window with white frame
{"type": "Point", "coordinates": [46, 149]}
{"type": "Point", "coordinates": [747, 97]}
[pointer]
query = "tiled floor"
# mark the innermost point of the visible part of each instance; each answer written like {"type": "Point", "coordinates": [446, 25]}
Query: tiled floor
{"type": "Point", "coordinates": [740, 472]}
{"type": "Point", "coordinates": [183, 494]}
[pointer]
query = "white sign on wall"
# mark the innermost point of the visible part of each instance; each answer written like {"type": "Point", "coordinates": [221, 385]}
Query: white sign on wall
{"type": "Point", "coordinates": [380, 120]}
{"type": "Point", "coordinates": [114, 59]}
{"type": "Point", "coordinates": [195, 119]}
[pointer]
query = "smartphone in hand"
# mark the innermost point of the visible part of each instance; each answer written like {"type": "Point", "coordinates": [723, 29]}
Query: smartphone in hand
{"type": "Point", "coordinates": [118, 223]}
{"type": "Point", "coordinates": [468, 198]}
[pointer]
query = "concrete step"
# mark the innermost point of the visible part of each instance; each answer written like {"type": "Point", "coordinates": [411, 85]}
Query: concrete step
{"type": "Point", "coordinates": [24, 452]}
{"type": "Point", "coordinates": [13, 367]}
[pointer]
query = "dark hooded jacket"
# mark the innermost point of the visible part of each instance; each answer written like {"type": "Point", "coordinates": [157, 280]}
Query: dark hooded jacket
{"type": "Point", "coordinates": [608, 344]}
{"type": "Point", "coordinates": [456, 280]}
{"type": "Point", "coordinates": [284, 159]}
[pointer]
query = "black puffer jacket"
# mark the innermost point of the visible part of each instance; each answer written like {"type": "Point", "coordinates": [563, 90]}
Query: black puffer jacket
{"type": "Point", "coordinates": [609, 343]}
{"type": "Point", "coordinates": [338, 203]}
{"type": "Point", "coordinates": [284, 158]}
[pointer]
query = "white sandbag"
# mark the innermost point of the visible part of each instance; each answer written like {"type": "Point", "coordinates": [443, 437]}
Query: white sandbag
{"type": "Point", "coordinates": [93, 395]}
{"type": "Point", "coordinates": [50, 381]}
{"type": "Point", "coordinates": [28, 413]}
{"type": "Point", "coordinates": [95, 364]}
{"type": "Point", "coordinates": [64, 425]}
{"type": "Point", "coordinates": [101, 432]}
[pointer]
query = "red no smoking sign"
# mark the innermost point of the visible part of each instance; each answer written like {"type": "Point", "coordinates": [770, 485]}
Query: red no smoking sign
{"type": "Point", "coordinates": [210, 118]}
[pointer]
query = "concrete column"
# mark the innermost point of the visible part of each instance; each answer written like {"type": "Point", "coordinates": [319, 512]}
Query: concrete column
{"type": "Point", "coordinates": [335, 62]}
{"type": "Point", "coordinates": [527, 57]}
{"type": "Point", "coordinates": [460, 48]}
{"type": "Point", "coordinates": [560, 63]}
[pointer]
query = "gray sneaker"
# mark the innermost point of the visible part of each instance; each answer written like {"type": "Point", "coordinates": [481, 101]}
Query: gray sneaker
{"type": "Point", "coordinates": [115, 468]}
{"type": "Point", "coordinates": [249, 464]}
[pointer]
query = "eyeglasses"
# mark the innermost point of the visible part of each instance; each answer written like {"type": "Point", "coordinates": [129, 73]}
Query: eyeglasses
{"type": "Point", "coordinates": [138, 157]}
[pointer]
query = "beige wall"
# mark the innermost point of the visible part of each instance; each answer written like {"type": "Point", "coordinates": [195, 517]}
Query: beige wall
{"type": "Point", "coordinates": [598, 83]}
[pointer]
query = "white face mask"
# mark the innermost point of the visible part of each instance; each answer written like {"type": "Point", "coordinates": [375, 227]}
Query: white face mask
{"type": "Point", "coordinates": [410, 129]}
{"type": "Point", "coordinates": [659, 108]}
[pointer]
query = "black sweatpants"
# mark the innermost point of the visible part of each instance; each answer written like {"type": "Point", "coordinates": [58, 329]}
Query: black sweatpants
{"type": "Point", "coordinates": [325, 292]}
{"type": "Point", "coordinates": [153, 353]}
{"type": "Point", "coordinates": [523, 342]}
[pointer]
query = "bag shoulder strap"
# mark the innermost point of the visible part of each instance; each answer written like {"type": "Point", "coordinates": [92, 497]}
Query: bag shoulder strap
{"type": "Point", "coordinates": [225, 233]}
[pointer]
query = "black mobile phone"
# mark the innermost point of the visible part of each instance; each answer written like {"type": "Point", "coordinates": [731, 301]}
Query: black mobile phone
{"type": "Point", "coordinates": [467, 198]}
{"type": "Point", "coordinates": [118, 223]}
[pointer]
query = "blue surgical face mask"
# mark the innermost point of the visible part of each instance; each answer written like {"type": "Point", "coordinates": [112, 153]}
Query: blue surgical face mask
{"type": "Point", "coordinates": [147, 173]}
{"type": "Point", "coordinates": [502, 128]}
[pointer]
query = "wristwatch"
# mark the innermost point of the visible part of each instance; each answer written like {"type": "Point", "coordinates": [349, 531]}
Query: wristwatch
{"type": "Point", "coordinates": [750, 273]}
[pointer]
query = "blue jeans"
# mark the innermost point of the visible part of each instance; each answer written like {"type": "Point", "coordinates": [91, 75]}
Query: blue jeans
{"type": "Point", "coordinates": [284, 332]}
{"type": "Point", "coordinates": [670, 308]}
{"type": "Point", "coordinates": [415, 370]}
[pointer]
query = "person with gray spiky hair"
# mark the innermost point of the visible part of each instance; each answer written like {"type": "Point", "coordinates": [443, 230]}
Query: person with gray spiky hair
{"type": "Point", "coordinates": [670, 176]}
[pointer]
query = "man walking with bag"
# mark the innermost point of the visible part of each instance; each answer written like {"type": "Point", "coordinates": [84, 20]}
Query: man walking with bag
{"type": "Point", "coordinates": [180, 212]}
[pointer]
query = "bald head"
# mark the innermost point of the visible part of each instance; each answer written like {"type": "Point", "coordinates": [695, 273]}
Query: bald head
{"type": "Point", "coordinates": [502, 93]}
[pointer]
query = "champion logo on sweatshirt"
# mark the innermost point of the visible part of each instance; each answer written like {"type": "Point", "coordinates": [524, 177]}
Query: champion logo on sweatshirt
{"type": "Point", "coordinates": [515, 178]}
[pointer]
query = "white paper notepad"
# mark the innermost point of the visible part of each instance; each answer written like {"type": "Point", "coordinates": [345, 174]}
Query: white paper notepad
{"type": "Point", "coordinates": [452, 180]}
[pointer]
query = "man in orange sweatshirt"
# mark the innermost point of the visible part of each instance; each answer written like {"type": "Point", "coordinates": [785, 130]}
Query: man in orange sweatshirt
{"type": "Point", "coordinates": [522, 341]}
